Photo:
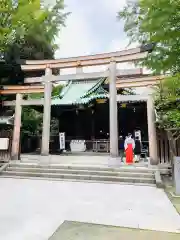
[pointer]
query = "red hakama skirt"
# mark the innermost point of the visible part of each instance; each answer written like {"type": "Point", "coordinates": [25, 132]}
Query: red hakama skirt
{"type": "Point", "coordinates": [129, 154]}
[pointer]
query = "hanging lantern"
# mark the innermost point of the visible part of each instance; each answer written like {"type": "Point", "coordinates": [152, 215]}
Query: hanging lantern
{"type": "Point", "coordinates": [123, 105]}
{"type": "Point", "coordinates": [100, 101]}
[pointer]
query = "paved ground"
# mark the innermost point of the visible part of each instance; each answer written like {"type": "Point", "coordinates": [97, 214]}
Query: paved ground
{"type": "Point", "coordinates": [34, 209]}
{"type": "Point", "coordinates": [175, 200]}
{"type": "Point", "coordinates": [87, 231]}
{"type": "Point", "coordinates": [87, 160]}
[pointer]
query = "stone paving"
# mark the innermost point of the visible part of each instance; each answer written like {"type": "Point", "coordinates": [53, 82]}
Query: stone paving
{"type": "Point", "coordinates": [34, 209]}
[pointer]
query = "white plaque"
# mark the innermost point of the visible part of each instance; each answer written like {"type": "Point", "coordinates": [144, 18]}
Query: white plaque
{"type": "Point", "coordinates": [78, 145]}
{"type": "Point", "coordinates": [4, 143]}
{"type": "Point", "coordinates": [62, 140]}
{"type": "Point", "coordinates": [138, 134]}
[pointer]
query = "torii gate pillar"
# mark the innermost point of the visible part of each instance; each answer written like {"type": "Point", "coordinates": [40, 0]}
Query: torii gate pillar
{"type": "Point", "coordinates": [152, 132]}
{"type": "Point", "coordinates": [113, 117]}
{"type": "Point", "coordinates": [47, 112]}
{"type": "Point", "coordinates": [17, 128]}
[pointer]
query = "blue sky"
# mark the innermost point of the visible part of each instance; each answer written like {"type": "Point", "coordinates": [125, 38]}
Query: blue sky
{"type": "Point", "coordinates": [92, 27]}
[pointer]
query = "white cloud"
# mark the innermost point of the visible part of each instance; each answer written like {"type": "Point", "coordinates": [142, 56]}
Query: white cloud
{"type": "Point", "coordinates": [114, 5]}
{"type": "Point", "coordinates": [74, 39]}
{"type": "Point", "coordinates": [79, 38]}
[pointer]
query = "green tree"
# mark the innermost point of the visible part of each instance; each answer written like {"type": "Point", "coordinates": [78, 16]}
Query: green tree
{"type": "Point", "coordinates": [155, 21]}
{"type": "Point", "coordinates": [27, 31]}
{"type": "Point", "coordinates": [158, 21]}
{"type": "Point", "coordinates": [32, 120]}
{"type": "Point", "coordinates": [167, 103]}
{"type": "Point", "coordinates": [16, 20]}
{"type": "Point", "coordinates": [167, 99]}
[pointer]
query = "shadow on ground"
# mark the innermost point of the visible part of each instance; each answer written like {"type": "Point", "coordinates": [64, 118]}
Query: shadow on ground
{"type": "Point", "coordinates": [86, 231]}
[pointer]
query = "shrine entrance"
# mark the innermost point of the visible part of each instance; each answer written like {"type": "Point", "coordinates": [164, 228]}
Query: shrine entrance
{"type": "Point", "coordinates": [84, 90]}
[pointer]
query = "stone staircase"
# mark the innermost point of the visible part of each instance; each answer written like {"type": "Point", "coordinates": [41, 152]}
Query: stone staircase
{"type": "Point", "coordinates": [129, 175]}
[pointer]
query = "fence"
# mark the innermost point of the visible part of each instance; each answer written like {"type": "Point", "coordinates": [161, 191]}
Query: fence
{"type": "Point", "coordinates": [164, 149]}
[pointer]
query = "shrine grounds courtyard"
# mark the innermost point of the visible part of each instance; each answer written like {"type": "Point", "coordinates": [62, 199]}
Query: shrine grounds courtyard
{"type": "Point", "coordinates": [35, 209]}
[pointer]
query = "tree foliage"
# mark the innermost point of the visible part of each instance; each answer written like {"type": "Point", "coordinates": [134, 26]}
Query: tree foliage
{"type": "Point", "coordinates": [28, 29]}
{"type": "Point", "coordinates": [16, 19]}
{"type": "Point", "coordinates": [32, 120]}
{"type": "Point", "coordinates": [167, 101]}
{"type": "Point", "coordinates": [158, 21]}
{"type": "Point", "coordinates": [155, 21]}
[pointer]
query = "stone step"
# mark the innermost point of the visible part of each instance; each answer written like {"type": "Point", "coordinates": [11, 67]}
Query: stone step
{"type": "Point", "coordinates": [87, 177]}
{"type": "Point", "coordinates": [82, 172]}
{"type": "Point", "coordinates": [74, 180]}
{"type": "Point", "coordinates": [83, 167]}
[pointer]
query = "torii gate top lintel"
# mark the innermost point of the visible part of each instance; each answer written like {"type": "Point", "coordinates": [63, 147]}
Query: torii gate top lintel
{"type": "Point", "coordinates": [89, 60]}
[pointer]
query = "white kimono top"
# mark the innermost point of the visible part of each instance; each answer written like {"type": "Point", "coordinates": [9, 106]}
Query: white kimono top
{"type": "Point", "coordinates": [129, 140]}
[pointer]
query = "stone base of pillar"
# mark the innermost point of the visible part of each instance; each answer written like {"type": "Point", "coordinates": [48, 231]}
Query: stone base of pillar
{"type": "Point", "coordinates": [154, 162]}
{"type": "Point", "coordinates": [45, 154]}
{"type": "Point", "coordinates": [15, 157]}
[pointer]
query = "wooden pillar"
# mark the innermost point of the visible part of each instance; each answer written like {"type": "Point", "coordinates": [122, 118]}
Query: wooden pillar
{"type": "Point", "coordinates": [152, 132]}
{"type": "Point", "coordinates": [113, 110]}
{"type": "Point", "coordinates": [47, 112]}
{"type": "Point", "coordinates": [17, 128]}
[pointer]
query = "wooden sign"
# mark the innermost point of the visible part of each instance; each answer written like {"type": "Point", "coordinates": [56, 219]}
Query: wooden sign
{"type": "Point", "coordinates": [62, 140]}
{"type": "Point", "coordinates": [4, 143]}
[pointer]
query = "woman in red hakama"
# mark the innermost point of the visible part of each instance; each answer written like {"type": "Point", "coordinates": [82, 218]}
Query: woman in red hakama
{"type": "Point", "coordinates": [129, 146]}
{"type": "Point", "coordinates": [129, 154]}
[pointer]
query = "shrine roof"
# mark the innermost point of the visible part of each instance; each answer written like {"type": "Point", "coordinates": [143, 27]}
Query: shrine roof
{"type": "Point", "coordinates": [81, 92]}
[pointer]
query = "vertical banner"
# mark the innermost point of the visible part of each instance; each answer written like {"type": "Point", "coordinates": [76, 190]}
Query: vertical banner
{"type": "Point", "coordinates": [62, 140]}
{"type": "Point", "coordinates": [138, 134]}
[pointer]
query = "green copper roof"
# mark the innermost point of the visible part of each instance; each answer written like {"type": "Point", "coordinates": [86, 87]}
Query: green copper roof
{"type": "Point", "coordinates": [80, 92]}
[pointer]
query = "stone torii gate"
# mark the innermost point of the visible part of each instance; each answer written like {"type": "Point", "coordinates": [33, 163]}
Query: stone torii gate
{"type": "Point", "coordinates": [117, 79]}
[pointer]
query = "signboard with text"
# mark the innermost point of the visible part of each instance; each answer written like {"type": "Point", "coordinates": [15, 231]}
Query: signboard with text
{"type": "Point", "coordinates": [62, 140]}
{"type": "Point", "coordinates": [138, 134]}
{"type": "Point", "coordinates": [4, 143]}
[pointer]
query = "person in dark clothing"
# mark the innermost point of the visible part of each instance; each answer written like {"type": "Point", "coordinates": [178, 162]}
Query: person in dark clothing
{"type": "Point", "coordinates": [121, 147]}
{"type": "Point", "coordinates": [137, 149]}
